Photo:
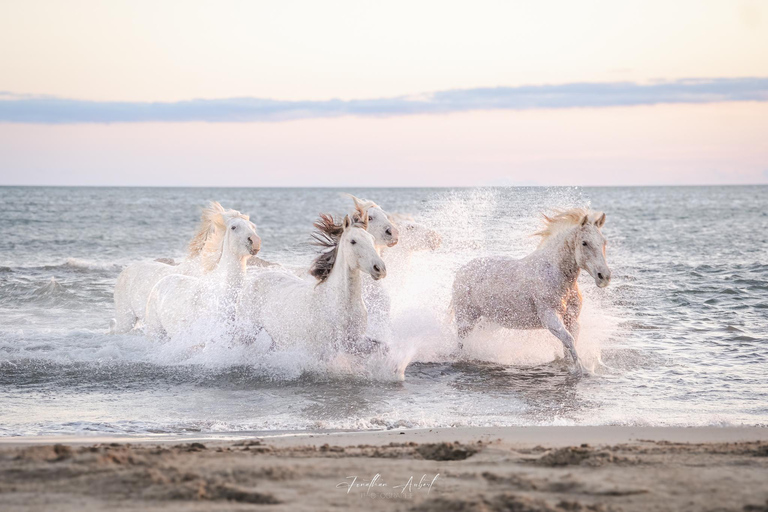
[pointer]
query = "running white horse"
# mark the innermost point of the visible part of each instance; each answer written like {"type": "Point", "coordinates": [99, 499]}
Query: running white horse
{"type": "Point", "coordinates": [136, 281]}
{"type": "Point", "coordinates": [177, 300]}
{"type": "Point", "coordinates": [385, 234]}
{"type": "Point", "coordinates": [328, 314]}
{"type": "Point", "coordinates": [539, 291]}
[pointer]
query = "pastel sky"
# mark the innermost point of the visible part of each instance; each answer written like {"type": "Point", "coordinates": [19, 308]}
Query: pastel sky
{"type": "Point", "coordinates": [358, 93]}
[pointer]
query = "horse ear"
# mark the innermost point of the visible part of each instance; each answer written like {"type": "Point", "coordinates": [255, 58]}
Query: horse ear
{"type": "Point", "coordinates": [347, 222]}
{"type": "Point", "coordinates": [585, 220]}
{"type": "Point", "coordinates": [601, 221]}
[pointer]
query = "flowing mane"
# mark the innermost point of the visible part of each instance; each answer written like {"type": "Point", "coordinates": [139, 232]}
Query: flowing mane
{"type": "Point", "coordinates": [563, 220]}
{"type": "Point", "coordinates": [208, 240]}
{"type": "Point", "coordinates": [327, 236]}
{"type": "Point", "coordinates": [361, 208]}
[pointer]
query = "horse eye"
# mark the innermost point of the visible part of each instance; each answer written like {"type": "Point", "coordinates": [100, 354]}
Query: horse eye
{"type": "Point", "coordinates": [234, 228]}
{"type": "Point", "coordinates": [370, 218]}
{"type": "Point", "coordinates": [353, 242]}
{"type": "Point", "coordinates": [584, 244]}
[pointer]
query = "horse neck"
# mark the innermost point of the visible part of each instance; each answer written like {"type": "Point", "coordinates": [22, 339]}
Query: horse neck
{"type": "Point", "coordinates": [343, 285]}
{"type": "Point", "coordinates": [561, 252]}
{"type": "Point", "coordinates": [231, 268]}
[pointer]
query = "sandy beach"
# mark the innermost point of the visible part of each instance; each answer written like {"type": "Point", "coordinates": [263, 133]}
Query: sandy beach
{"type": "Point", "coordinates": [468, 469]}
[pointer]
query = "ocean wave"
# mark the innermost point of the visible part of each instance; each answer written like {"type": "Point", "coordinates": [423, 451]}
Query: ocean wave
{"type": "Point", "coordinates": [223, 429]}
{"type": "Point", "coordinates": [68, 265]}
{"type": "Point", "coordinates": [701, 364]}
{"type": "Point", "coordinates": [79, 264]}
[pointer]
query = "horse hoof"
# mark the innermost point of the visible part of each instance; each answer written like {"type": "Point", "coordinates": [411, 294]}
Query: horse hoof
{"type": "Point", "coordinates": [579, 370]}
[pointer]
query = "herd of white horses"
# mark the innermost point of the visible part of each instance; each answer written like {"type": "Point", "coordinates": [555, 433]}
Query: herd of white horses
{"type": "Point", "coordinates": [338, 303]}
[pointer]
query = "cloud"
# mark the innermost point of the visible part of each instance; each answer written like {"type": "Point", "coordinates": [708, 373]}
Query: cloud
{"type": "Point", "coordinates": [20, 108]}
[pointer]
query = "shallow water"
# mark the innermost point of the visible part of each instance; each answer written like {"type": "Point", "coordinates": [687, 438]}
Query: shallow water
{"type": "Point", "coordinates": [683, 326]}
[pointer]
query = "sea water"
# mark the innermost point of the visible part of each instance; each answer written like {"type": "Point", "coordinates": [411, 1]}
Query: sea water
{"type": "Point", "coordinates": [682, 329]}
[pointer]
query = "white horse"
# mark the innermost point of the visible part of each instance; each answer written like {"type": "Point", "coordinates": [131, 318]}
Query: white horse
{"type": "Point", "coordinates": [137, 280]}
{"type": "Point", "coordinates": [539, 291]}
{"type": "Point", "coordinates": [178, 300]}
{"type": "Point", "coordinates": [386, 235]}
{"type": "Point", "coordinates": [329, 314]}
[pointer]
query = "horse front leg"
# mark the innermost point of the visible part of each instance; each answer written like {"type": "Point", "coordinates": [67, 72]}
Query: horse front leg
{"type": "Point", "coordinates": [551, 321]}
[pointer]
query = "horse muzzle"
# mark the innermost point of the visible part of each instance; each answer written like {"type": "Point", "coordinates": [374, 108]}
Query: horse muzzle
{"type": "Point", "coordinates": [378, 271]}
{"type": "Point", "coordinates": [602, 279]}
{"type": "Point", "coordinates": [394, 236]}
{"type": "Point", "coordinates": [255, 245]}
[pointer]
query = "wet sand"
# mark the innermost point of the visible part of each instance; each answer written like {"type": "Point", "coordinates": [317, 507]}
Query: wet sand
{"type": "Point", "coordinates": [467, 469]}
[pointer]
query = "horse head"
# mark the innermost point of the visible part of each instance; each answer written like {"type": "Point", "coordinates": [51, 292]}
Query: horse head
{"type": "Point", "coordinates": [383, 230]}
{"type": "Point", "coordinates": [240, 238]}
{"type": "Point", "coordinates": [357, 248]}
{"type": "Point", "coordinates": [589, 250]}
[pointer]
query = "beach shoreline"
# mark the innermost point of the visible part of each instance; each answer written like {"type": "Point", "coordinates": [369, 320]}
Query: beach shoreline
{"type": "Point", "coordinates": [600, 468]}
{"type": "Point", "coordinates": [550, 436]}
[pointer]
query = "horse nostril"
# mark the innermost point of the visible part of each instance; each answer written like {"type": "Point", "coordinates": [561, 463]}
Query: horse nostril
{"type": "Point", "coordinates": [376, 268]}
{"type": "Point", "coordinates": [599, 275]}
{"type": "Point", "coordinates": [389, 231]}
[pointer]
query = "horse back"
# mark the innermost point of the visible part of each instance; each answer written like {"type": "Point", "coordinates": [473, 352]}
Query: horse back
{"type": "Point", "coordinates": [502, 289]}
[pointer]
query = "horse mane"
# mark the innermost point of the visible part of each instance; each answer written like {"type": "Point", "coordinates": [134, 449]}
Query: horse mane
{"type": "Point", "coordinates": [361, 208]}
{"type": "Point", "coordinates": [563, 220]}
{"type": "Point", "coordinates": [207, 242]}
{"type": "Point", "coordinates": [327, 236]}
